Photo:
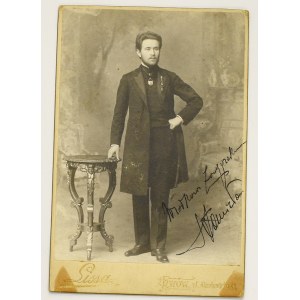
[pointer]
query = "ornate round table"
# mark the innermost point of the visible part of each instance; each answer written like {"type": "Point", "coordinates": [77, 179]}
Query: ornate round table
{"type": "Point", "coordinates": [91, 164]}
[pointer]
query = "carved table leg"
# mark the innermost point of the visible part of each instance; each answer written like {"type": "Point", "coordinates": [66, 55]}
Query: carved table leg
{"type": "Point", "coordinates": [89, 242]}
{"type": "Point", "coordinates": [77, 203]}
{"type": "Point", "coordinates": [106, 203]}
{"type": "Point", "coordinates": [90, 209]}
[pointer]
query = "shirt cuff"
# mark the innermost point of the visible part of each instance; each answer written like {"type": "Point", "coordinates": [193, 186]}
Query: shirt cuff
{"type": "Point", "coordinates": [180, 119]}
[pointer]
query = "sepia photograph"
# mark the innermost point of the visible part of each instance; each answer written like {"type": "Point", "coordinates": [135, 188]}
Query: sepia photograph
{"type": "Point", "coordinates": [150, 151]}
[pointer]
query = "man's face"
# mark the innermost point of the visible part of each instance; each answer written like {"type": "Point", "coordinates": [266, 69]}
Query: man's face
{"type": "Point", "coordinates": [149, 53]}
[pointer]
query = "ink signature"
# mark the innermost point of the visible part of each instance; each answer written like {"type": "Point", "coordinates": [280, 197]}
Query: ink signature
{"type": "Point", "coordinates": [209, 221]}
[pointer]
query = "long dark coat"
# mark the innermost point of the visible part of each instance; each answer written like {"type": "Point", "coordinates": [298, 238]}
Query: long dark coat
{"type": "Point", "coordinates": [132, 95]}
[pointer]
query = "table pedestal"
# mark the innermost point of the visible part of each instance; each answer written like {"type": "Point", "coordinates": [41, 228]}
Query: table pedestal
{"type": "Point", "coordinates": [91, 165]}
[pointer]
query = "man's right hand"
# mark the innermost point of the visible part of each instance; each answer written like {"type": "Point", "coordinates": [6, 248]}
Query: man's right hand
{"type": "Point", "coordinates": [113, 151]}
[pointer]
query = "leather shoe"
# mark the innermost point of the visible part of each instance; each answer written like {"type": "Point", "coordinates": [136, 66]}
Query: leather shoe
{"type": "Point", "coordinates": [137, 250]}
{"type": "Point", "coordinates": [160, 254]}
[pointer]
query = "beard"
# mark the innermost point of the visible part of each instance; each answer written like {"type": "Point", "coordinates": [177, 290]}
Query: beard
{"type": "Point", "coordinates": [149, 64]}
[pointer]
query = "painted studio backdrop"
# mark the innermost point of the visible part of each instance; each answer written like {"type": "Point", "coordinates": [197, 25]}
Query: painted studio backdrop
{"type": "Point", "coordinates": [207, 50]}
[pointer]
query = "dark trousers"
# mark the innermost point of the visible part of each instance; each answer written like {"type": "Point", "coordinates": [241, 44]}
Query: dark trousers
{"type": "Point", "coordinates": [162, 172]}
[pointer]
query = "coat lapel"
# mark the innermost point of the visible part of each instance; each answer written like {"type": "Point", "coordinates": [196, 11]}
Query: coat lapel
{"type": "Point", "coordinates": [140, 85]}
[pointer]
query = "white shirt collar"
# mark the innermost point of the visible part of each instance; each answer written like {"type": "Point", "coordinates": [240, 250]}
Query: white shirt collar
{"type": "Point", "coordinates": [144, 65]}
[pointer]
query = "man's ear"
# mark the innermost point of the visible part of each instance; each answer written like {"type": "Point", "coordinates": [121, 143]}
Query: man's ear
{"type": "Point", "coordinates": [138, 52]}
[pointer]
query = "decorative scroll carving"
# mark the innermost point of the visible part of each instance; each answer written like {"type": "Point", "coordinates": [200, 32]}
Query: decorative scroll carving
{"type": "Point", "coordinates": [75, 237]}
{"type": "Point", "coordinates": [76, 202]}
{"type": "Point", "coordinates": [97, 168]}
{"type": "Point", "coordinates": [109, 239]}
{"type": "Point", "coordinates": [106, 203]}
{"type": "Point", "coordinates": [91, 168]}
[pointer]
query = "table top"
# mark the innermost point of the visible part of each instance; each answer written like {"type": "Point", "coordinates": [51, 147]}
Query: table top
{"type": "Point", "coordinates": [91, 159]}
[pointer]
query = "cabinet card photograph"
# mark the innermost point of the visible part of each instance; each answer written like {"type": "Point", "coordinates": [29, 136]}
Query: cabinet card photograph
{"type": "Point", "coordinates": [149, 172]}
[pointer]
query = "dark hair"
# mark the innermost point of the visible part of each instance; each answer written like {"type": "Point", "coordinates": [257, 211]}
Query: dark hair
{"type": "Point", "coordinates": [147, 35]}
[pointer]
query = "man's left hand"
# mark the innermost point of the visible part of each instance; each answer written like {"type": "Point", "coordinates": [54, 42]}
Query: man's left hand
{"type": "Point", "coordinates": [175, 122]}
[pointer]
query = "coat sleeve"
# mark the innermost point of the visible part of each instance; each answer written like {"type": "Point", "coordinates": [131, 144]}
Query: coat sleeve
{"type": "Point", "coordinates": [193, 101]}
{"type": "Point", "coordinates": [120, 112]}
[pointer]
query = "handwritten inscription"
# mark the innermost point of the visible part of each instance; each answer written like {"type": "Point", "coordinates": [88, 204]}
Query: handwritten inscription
{"type": "Point", "coordinates": [208, 220]}
{"type": "Point", "coordinates": [174, 211]}
{"type": "Point", "coordinates": [219, 171]}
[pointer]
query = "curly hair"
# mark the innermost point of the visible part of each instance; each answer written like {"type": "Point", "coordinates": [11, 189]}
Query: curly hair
{"type": "Point", "coordinates": [147, 35]}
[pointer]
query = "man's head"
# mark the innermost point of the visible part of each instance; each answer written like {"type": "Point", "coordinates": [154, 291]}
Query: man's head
{"type": "Point", "coordinates": [148, 45]}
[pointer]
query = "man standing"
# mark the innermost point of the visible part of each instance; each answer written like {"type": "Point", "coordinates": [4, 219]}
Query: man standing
{"type": "Point", "coordinates": [154, 158]}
